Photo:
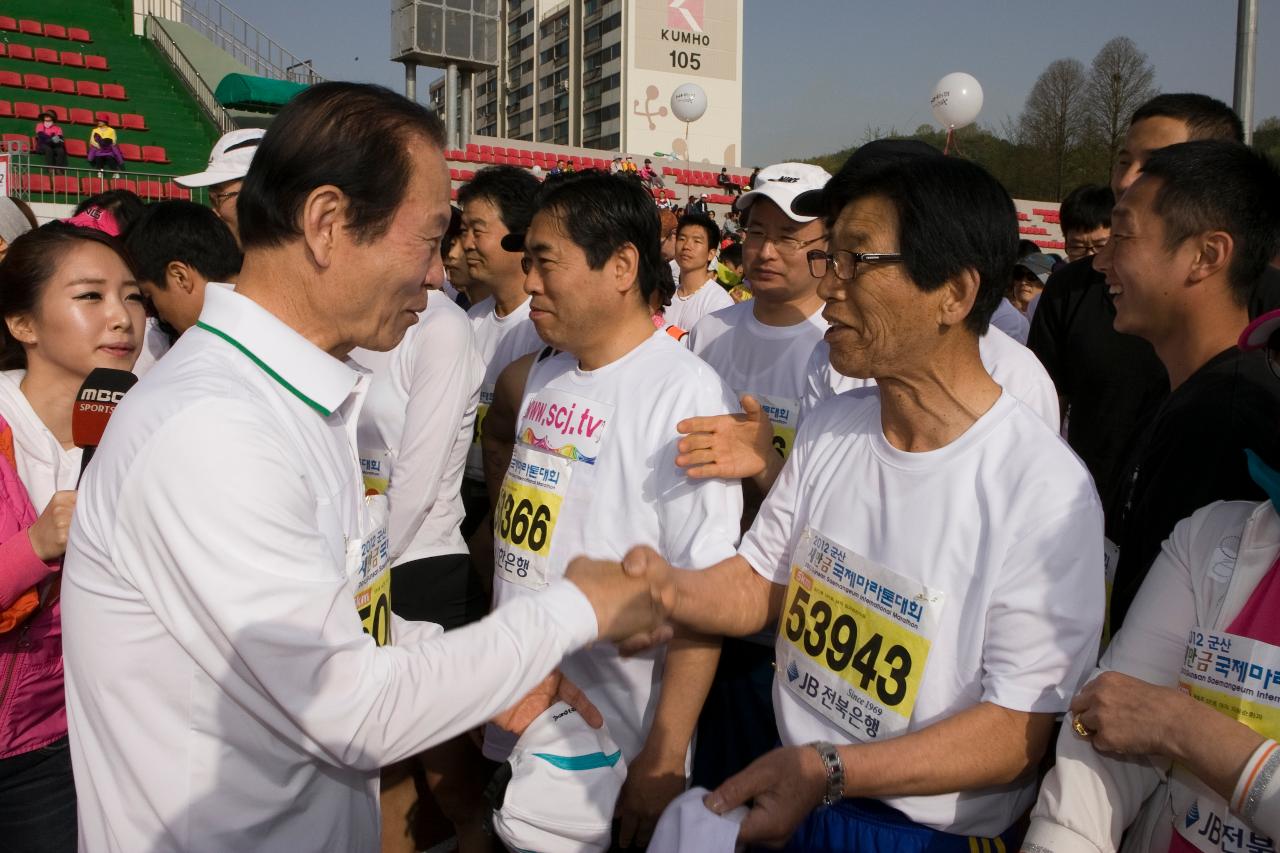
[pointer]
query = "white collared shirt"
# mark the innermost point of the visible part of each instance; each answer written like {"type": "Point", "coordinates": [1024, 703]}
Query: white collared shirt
{"type": "Point", "coordinates": [221, 694]}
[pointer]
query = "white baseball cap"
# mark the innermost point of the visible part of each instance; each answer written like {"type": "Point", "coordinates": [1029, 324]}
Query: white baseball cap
{"type": "Point", "coordinates": [565, 781]}
{"type": "Point", "coordinates": [229, 160]}
{"type": "Point", "coordinates": [781, 183]}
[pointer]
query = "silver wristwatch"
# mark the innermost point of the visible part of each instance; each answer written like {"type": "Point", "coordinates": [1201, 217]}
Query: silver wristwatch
{"type": "Point", "coordinates": [835, 772]}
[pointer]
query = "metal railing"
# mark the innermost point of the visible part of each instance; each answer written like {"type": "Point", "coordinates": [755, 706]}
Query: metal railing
{"type": "Point", "coordinates": [251, 47]}
{"type": "Point", "coordinates": [189, 75]}
{"type": "Point", "coordinates": [32, 180]}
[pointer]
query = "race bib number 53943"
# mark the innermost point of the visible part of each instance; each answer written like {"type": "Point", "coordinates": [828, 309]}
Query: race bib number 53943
{"type": "Point", "coordinates": [854, 638]}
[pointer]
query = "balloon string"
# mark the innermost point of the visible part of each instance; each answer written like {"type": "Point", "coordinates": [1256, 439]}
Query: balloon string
{"type": "Point", "coordinates": [946, 149]}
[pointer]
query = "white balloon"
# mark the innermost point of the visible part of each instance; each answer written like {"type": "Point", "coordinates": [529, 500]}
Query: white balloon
{"type": "Point", "coordinates": [689, 102]}
{"type": "Point", "coordinates": [957, 100]}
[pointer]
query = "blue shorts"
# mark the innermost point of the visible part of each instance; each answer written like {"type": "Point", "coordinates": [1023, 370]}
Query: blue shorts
{"type": "Point", "coordinates": [870, 825]}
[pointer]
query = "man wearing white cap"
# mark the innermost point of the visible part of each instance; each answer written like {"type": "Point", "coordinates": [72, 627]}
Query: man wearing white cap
{"type": "Point", "coordinates": [761, 348]}
{"type": "Point", "coordinates": [228, 164]}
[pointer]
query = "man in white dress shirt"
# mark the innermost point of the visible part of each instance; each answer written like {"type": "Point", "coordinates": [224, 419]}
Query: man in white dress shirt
{"type": "Point", "coordinates": [234, 678]}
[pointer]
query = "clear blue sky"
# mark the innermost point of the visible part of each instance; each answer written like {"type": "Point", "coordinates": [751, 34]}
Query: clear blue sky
{"type": "Point", "coordinates": [818, 73]}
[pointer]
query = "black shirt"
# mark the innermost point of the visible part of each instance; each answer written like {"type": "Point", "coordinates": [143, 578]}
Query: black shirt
{"type": "Point", "coordinates": [1190, 455]}
{"type": "Point", "coordinates": [1111, 382]}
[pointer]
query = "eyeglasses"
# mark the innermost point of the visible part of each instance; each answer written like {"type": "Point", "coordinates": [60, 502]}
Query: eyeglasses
{"type": "Point", "coordinates": [1076, 251]}
{"type": "Point", "coordinates": [784, 245]}
{"type": "Point", "coordinates": [846, 263]}
{"type": "Point", "coordinates": [216, 199]}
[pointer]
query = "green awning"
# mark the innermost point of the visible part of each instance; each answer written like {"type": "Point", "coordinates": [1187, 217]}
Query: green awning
{"type": "Point", "coordinates": [258, 94]}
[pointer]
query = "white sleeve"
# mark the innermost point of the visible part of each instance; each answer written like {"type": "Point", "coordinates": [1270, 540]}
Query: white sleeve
{"type": "Point", "coordinates": [443, 372]}
{"type": "Point", "coordinates": [1044, 618]}
{"type": "Point", "coordinates": [816, 386]}
{"type": "Point", "coordinates": [226, 544]}
{"type": "Point", "coordinates": [1088, 799]}
{"type": "Point", "coordinates": [767, 546]}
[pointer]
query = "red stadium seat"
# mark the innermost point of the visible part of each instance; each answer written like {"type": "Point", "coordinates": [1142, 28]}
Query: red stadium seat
{"type": "Point", "coordinates": [151, 189]}
{"type": "Point", "coordinates": [60, 113]}
{"type": "Point", "coordinates": [114, 91]}
{"type": "Point", "coordinates": [34, 183]}
{"type": "Point", "coordinates": [55, 31]}
{"type": "Point", "coordinates": [131, 121]}
{"type": "Point", "coordinates": [154, 154]}
{"type": "Point", "coordinates": [88, 89]}
{"type": "Point", "coordinates": [110, 117]}
{"type": "Point", "coordinates": [23, 142]}
{"type": "Point", "coordinates": [21, 51]}
{"type": "Point", "coordinates": [77, 148]}
{"type": "Point", "coordinates": [36, 82]}
{"type": "Point", "coordinates": [176, 191]}
{"type": "Point", "coordinates": [79, 115]}
{"type": "Point", "coordinates": [96, 63]}
{"type": "Point", "coordinates": [71, 59]}
{"type": "Point", "coordinates": [6, 109]}
{"type": "Point", "coordinates": [11, 78]}
{"type": "Point", "coordinates": [22, 109]}
{"type": "Point", "coordinates": [130, 151]}
{"type": "Point", "coordinates": [2, 48]}
{"type": "Point", "coordinates": [63, 86]}
{"type": "Point", "coordinates": [78, 34]}
{"type": "Point", "coordinates": [124, 184]}
{"type": "Point", "coordinates": [92, 186]}
{"type": "Point", "coordinates": [8, 24]}
{"type": "Point", "coordinates": [47, 54]}
{"type": "Point", "coordinates": [66, 185]}
{"type": "Point", "coordinates": [30, 27]}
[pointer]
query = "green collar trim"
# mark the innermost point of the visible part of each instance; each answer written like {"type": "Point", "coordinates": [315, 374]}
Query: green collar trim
{"type": "Point", "coordinates": [265, 368]}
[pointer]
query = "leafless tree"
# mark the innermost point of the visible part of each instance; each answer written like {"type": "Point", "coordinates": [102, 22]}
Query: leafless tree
{"type": "Point", "coordinates": [1120, 80]}
{"type": "Point", "coordinates": [1055, 117]}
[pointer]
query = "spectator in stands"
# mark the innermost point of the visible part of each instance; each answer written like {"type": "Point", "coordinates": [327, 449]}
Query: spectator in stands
{"type": "Point", "coordinates": [1190, 238]}
{"type": "Point", "coordinates": [178, 248]}
{"type": "Point", "coordinates": [69, 305]}
{"type": "Point", "coordinates": [124, 206]}
{"type": "Point", "coordinates": [751, 181]}
{"type": "Point", "coordinates": [228, 164]}
{"type": "Point", "coordinates": [1154, 749]}
{"type": "Point", "coordinates": [732, 226]}
{"type": "Point", "coordinates": [16, 219]}
{"type": "Point", "coordinates": [649, 176]}
{"type": "Point", "coordinates": [104, 153]}
{"type": "Point", "coordinates": [50, 141]}
{"type": "Point", "coordinates": [559, 169]}
{"type": "Point", "coordinates": [1029, 276]}
{"type": "Point", "coordinates": [615, 166]}
{"type": "Point", "coordinates": [629, 167]}
{"type": "Point", "coordinates": [725, 182]}
{"type": "Point", "coordinates": [697, 206]}
{"type": "Point", "coordinates": [1085, 217]}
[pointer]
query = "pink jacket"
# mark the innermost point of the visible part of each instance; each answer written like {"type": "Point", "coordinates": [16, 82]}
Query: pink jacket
{"type": "Point", "coordinates": [33, 711]}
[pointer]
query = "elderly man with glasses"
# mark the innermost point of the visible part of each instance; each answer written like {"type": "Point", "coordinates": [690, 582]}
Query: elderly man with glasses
{"type": "Point", "coordinates": [931, 552]}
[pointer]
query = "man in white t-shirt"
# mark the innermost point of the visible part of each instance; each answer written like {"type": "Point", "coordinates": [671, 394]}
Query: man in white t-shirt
{"type": "Point", "coordinates": [932, 549]}
{"type": "Point", "coordinates": [498, 201]}
{"type": "Point", "coordinates": [593, 472]}
{"type": "Point", "coordinates": [761, 348]}
{"type": "Point", "coordinates": [697, 291]}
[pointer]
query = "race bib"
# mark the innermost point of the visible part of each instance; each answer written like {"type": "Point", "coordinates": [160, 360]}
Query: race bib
{"type": "Point", "coordinates": [784, 415]}
{"type": "Point", "coordinates": [369, 566]}
{"type": "Point", "coordinates": [376, 469]}
{"type": "Point", "coordinates": [1238, 677]}
{"type": "Point", "coordinates": [854, 638]}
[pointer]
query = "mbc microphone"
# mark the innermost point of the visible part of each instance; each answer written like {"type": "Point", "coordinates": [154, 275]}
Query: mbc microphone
{"type": "Point", "coordinates": [95, 402]}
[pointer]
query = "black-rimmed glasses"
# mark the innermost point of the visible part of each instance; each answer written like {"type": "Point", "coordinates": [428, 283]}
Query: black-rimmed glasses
{"type": "Point", "coordinates": [846, 263]}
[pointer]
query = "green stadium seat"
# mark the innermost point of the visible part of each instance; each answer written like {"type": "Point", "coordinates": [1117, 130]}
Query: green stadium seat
{"type": "Point", "coordinates": [21, 51]}
{"type": "Point", "coordinates": [114, 91]}
{"type": "Point", "coordinates": [96, 63]}
{"type": "Point", "coordinates": [30, 27]}
{"type": "Point", "coordinates": [77, 148]}
{"type": "Point", "coordinates": [55, 31]}
{"type": "Point", "coordinates": [63, 86]}
{"type": "Point", "coordinates": [79, 115]}
{"type": "Point", "coordinates": [88, 89]}
{"type": "Point", "coordinates": [78, 34]}
{"type": "Point", "coordinates": [47, 54]}
{"type": "Point", "coordinates": [36, 82]}
{"type": "Point", "coordinates": [71, 59]}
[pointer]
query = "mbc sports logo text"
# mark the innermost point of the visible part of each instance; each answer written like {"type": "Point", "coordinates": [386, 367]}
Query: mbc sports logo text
{"type": "Point", "coordinates": [101, 395]}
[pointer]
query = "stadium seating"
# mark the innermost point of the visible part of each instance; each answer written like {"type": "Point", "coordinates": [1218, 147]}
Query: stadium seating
{"type": "Point", "coordinates": [78, 34]}
{"type": "Point", "coordinates": [71, 59]}
{"type": "Point", "coordinates": [46, 54]}
{"type": "Point", "coordinates": [21, 51]}
{"type": "Point", "coordinates": [154, 154]}
{"type": "Point", "coordinates": [32, 28]}
{"type": "Point", "coordinates": [77, 148]}
{"type": "Point", "coordinates": [8, 24]}
{"type": "Point", "coordinates": [11, 78]}
{"type": "Point", "coordinates": [23, 142]}
{"type": "Point", "coordinates": [6, 109]}
{"type": "Point", "coordinates": [130, 121]}
{"type": "Point", "coordinates": [110, 117]}
{"type": "Point", "coordinates": [79, 115]}
{"type": "Point", "coordinates": [96, 63]}
{"type": "Point", "coordinates": [88, 89]}
{"type": "Point", "coordinates": [35, 82]}
{"type": "Point", "coordinates": [24, 109]}
{"type": "Point", "coordinates": [130, 151]}
{"type": "Point", "coordinates": [55, 31]}
{"type": "Point", "coordinates": [59, 113]}
{"type": "Point", "coordinates": [114, 91]}
{"type": "Point", "coordinates": [63, 86]}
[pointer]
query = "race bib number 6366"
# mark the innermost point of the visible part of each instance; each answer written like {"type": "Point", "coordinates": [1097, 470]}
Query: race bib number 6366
{"type": "Point", "coordinates": [854, 638]}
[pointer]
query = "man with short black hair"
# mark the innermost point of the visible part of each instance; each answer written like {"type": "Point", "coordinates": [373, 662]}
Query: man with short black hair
{"type": "Point", "coordinates": [178, 247]}
{"type": "Point", "coordinates": [932, 550]}
{"type": "Point", "coordinates": [697, 292]}
{"type": "Point", "coordinates": [1085, 217]}
{"type": "Point", "coordinates": [234, 680]}
{"type": "Point", "coordinates": [1190, 238]}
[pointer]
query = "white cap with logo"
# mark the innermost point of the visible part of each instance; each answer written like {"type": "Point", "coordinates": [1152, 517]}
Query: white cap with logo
{"type": "Point", "coordinates": [781, 183]}
{"type": "Point", "coordinates": [229, 160]}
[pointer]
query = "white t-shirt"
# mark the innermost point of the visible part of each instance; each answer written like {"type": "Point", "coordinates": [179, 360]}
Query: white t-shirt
{"type": "Point", "coordinates": [768, 362]}
{"type": "Point", "coordinates": [594, 474]}
{"type": "Point", "coordinates": [686, 311]}
{"type": "Point", "coordinates": [1014, 367]}
{"type": "Point", "coordinates": [44, 466]}
{"type": "Point", "coordinates": [422, 392]}
{"type": "Point", "coordinates": [500, 341]}
{"type": "Point", "coordinates": [1011, 321]}
{"type": "Point", "coordinates": [155, 343]}
{"type": "Point", "coordinates": [971, 573]}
